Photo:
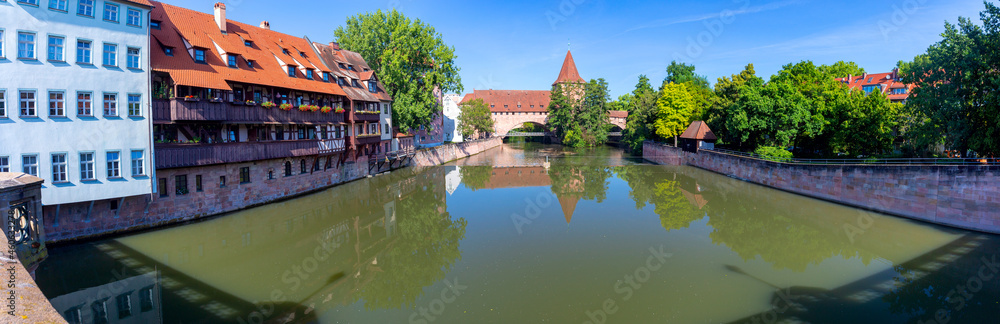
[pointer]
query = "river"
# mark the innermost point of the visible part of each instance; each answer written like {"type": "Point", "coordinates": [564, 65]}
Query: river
{"type": "Point", "coordinates": [531, 233]}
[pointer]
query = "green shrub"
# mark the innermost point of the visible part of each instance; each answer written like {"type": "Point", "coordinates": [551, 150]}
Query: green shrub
{"type": "Point", "coordinates": [772, 153]}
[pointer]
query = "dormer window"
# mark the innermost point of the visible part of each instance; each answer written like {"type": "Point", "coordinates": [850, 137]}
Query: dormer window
{"type": "Point", "coordinates": [350, 67]}
{"type": "Point", "coordinates": [169, 51]}
{"type": "Point", "coordinates": [354, 83]}
{"type": "Point", "coordinates": [326, 76]}
{"type": "Point", "coordinates": [199, 55]}
{"type": "Point", "coordinates": [154, 24]}
{"type": "Point", "coordinates": [231, 59]}
{"type": "Point", "coordinates": [291, 71]}
{"type": "Point", "coordinates": [342, 66]}
{"type": "Point", "coordinates": [371, 87]}
{"type": "Point", "coordinates": [251, 63]}
{"type": "Point", "coordinates": [309, 74]}
{"type": "Point", "coordinates": [286, 51]}
{"type": "Point", "coordinates": [341, 82]}
{"type": "Point", "coordinates": [302, 54]}
{"type": "Point", "coordinates": [248, 43]}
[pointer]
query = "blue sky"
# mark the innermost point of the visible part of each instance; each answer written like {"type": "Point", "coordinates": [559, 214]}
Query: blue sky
{"type": "Point", "coordinates": [520, 45]}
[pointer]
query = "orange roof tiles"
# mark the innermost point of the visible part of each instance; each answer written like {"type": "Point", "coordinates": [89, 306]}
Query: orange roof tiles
{"type": "Point", "coordinates": [333, 56]}
{"type": "Point", "coordinates": [182, 27]}
{"type": "Point", "coordinates": [618, 114]}
{"type": "Point", "coordinates": [512, 100]}
{"type": "Point", "coordinates": [886, 82]}
{"type": "Point", "coordinates": [568, 72]}
{"type": "Point", "coordinates": [699, 131]}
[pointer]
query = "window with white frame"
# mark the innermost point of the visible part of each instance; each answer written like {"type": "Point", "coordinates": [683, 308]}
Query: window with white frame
{"type": "Point", "coordinates": [29, 164]}
{"type": "Point", "coordinates": [59, 167]}
{"type": "Point", "coordinates": [138, 166]}
{"type": "Point", "coordinates": [4, 164]}
{"type": "Point", "coordinates": [110, 104]}
{"type": "Point", "coordinates": [85, 8]}
{"type": "Point", "coordinates": [56, 51]}
{"type": "Point", "coordinates": [3, 103]}
{"type": "Point", "coordinates": [30, 2]}
{"type": "Point", "coordinates": [135, 105]}
{"type": "Point", "coordinates": [58, 5]}
{"type": "Point", "coordinates": [83, 51]}
{"type": "Point", "coordinates": [1, 43]}
{"type": "Point", "coordinates": [133, 58]}
{"type": "Point", "coordinates": [134, 17]}
{"type": "Point", "coordinates": [110, 12]}
{"type": "Point", "coordinates": [26, 99]}
{"type": "Point", "coordinates": [114, 164]}
{"type": "Point", "coordinates": [57, 103]}
{"type": "Point", "coordinates": [84, 103]}
{"type": "Point", "coordinates": [110, 57]}
{"type": "Point", "coordinates": [87, 166]}
{"type": "Point", "coordinates": [25, 45]}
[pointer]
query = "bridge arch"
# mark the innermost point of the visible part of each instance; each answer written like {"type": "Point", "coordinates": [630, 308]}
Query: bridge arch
{"type": "Point", "coordinates": [504, 122]}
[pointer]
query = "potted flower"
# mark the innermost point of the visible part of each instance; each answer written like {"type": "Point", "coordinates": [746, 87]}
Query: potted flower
{"type": "Point", "coordinates": [267, 104]}
{"type": "Point", "coordinates": [340, 110]}
{"type": "Point", "coordinates": [285, 106]}
{"type": "Point", "coordinates": [190, 98]}
{"type": "Point", "coordinates": [326, 109]}
{"type": "Point", "coordinates": [313, 108]}
{"type": "Point", "coordinates": [251, 103]}
{"type": "Point", "coordinates": [303, 107]}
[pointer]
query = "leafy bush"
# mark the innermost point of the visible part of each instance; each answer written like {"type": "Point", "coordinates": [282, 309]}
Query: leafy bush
{"type": "Point", "coordinates": [772, 153]}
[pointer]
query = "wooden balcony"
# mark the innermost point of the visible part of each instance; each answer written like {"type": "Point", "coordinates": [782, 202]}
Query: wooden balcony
{"type": "Point", "coordinates": [188, 155]}
{"type": "Point", "coordinates": [178, 109]}
{"type": "Point", "coordinates": [369, 139]}
{"type": "Point", "coordinates": [369, 117]}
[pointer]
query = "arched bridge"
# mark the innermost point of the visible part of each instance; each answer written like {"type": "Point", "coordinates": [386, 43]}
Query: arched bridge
{"type": "Point", "coordinates": [504, 122]}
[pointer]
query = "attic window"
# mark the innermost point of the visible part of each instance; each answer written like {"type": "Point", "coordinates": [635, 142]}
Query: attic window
{"type": "Point", "coordinates": [291, 71]}
{"type": "Point", "coordinates": [154, 24]}
{"type": "Point", "coordinates": [870, 80]}
{"type": "Point", "coordinates": [302, 54]}
{"type": "Point", "coordinates": [341, 65]}
{"type": "Point", "coordinates": [309, 74]}
{"type": "Point", "coordinates": [504, 106]}
{"type": "Point", "coordinates": [251, 63]}
{"type": "Point", "coordinates": [199, 55]}
{"type": "Point", "coordinates": [350, 67]}
{"type": "Point", "coordinates": [341, 82]}
{"type": "Point", "coordinates": [248, 43]}
{"type": "Point", "coordinates": [367, 69]}
{"type": "Point", "coordinates": [354, 83]}
{"type": "Point", "coordinates": [518, 106]}
{"type": "Point", "coordinates": [169, 51]}
{"type": "Point", "coordinates": [231, 59]}
{"type": "Point", "coordinates": [371, 87]}
{"type": "Point", "coordinates": [286, 51]}
{"type": "Point", "coordinates": [326, 76]}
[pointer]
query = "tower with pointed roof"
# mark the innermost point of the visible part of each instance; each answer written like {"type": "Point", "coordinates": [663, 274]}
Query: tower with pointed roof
{"type": "Point", "coordinates": [569, 78]}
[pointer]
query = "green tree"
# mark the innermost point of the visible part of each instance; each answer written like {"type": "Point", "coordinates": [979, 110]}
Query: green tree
{"type": "Point", "coordinates": [674, 111]}
{"type": "Point", "coordinates": [841, 69]}
{"type": "Point", "coordinates": [697, 86]}
{"type": "Point", "coordinates": [411, 59]}
{"type": "Point", "coordinates": [956, 101]}
{"type": "Point", "coordinates": [727, 91]}
{"type": "Point", "coordinates": [868, 127]}
{"type": "Point", "coordinates": [642, 111]}
{"type": "Point", "coordinates": [475, 119]}
{"type": "Point", "coordinates": [580, 122]}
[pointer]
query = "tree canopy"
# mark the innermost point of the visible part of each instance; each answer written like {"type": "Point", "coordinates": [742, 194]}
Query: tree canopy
{"type": "Point", "coordinates": [411, 59]}
{"type": "Point", "coordinates": [674, 110]}
{"type": "Point", "coordinates": [475, 119]}
{"type": "Point", "coordinates": [580, 121]}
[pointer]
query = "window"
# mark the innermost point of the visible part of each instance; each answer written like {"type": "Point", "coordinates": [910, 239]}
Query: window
{"type": "Point", "coordinates": [146, 299]}
{"type": "Point", "coordinates": [25, 45]}
{"type": "Point", "coordinates": [197, 184]}
{"type": "Point", "coordinates": [199, 55]}
{"type": "Point", "coordinates": [3, 103]}
{"type": "Point", "coordinates": [899, 91]}
{"type": "Point", "coordinates": [110, 104]}
{"type": "Point", "coordinates": [110, 12]}
{"type": "Point", "coordinates": [248, 43]}
{"type": "Point", "coordinates": [83, 104]}
{"type": "Point", "coordinates": [870, 88]}
{"type": "Point", "coordinates": [30, 2]}
{"type": "Point", "coordinates": [285, 51]}
{"type": "Point", "coordinates": [56, 48]}
{"type": "Point", "coordinates": [57, 104]}
{"type": "Point", "coordinates": [232, 60]}
{"type": "Point", "coordinates": [138, 163]}
{"type": "Point", "coordinates": [250, 63]}
{"type": "Point", "coordinates": [1, 43]}
{"type": "Point", "coordinates": [326, 76]}
{"type": "Point", "coordinates": [114, 164]}
{"type": "Point", "coordinates": [309, 74]}
{"type": "Point", "coordinates": [124, 302]}
{"type": "Point", "coordinates": [288, 169]}
{"type": "Point", "coordinates": [302, 54]}
{"type": "Point", "coordinates": [169, 51]}
{"type": "Point", "coordinates": [100, 311]}
{"type": "Point", "coordinates": [181, 185]}
{"type": "Point", "coordinates": [83, 49]}
{"type": "Point", "coordinates": [161, 186]}
{"type": "Point", "coordinates": [27, 103]}
{"type": "Point", "coordinates": [291, 71]}
{"type": "Point", "coordinates": [244, 175]}
{"type": "Point", "coordinates": [354, 83]}
{"type": "Point", "coordinates": [73, 315]}
{"type": "Point", "coordinates": [135, 105]}
{"type": "Point", "coordinates": [57, 5]}
{"type": "Point", "coordinates": [85, 8]}
{"type": "Point", "coordinates": [133, 58]}
{"type": "Point", "coordinates": [59, 167]}
{"type": "Point", "coordinates": [371, 87]}
{"type": "Point", "coordinates": [270, 174]}
{"type": "Point", "coordinates": [29, 164]}
{"type": "Point", "coordinates": [302, 166]}
{"type": "Point", "coordinates": [154, 24]}
{"type": "Point", "coordinates": [4, 164]}
{"type": "Point", "coordinates": [134, 18]}
{"type": "Point", "coordinates": [110, 55]}
{"type": "Point", "coordinates": [222, 181]}
{"type": "Point", "coordinates": [87, 166]}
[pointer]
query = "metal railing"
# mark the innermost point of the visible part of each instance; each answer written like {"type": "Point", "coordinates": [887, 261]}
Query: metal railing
{"type": "Point", "coordinates": [865, 161]}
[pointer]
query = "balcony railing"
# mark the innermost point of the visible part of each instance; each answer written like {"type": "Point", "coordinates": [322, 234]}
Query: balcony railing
{"type": "Point", "coordinates": [189, 155]}
{"type": "Point", "coordinates": [178, 109]}
{"type": "Point", "coordinates": [369, 139]}
{"type": "Point", "coordinates": [372, 116]}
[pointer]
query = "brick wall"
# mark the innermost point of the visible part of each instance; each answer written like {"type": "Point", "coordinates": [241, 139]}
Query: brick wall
{"type": "Point", "coordinates": [960, 196]}
{"type": "Point", "coordinates": [450, 152]}
{"type": "Point", "coordinates": [84, 220]}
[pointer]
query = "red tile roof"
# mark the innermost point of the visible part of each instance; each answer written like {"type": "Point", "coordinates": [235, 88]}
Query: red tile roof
{"type": "Point", "coordinates": [618, 114]}
{"type": "Point", "coordinates": [699, 131]}
{"type": "Point", "coordinates": [140, 2]}
{"type": "Point", "coordinates": [180, 26]}
{"type": "Point", "coordinates": [568, 72]}
{"type": "Point", "coordinates": [512, 100]}
{"type": "Point", "coordinates": [886, 82]}
{"type": "Point", "coordinates": [333, 56]}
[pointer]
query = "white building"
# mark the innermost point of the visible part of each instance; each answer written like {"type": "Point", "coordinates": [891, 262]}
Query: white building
{"type": "Point", "coordinates": [74, 97]}
{"type": "Point", "coordinates": [451, 112]}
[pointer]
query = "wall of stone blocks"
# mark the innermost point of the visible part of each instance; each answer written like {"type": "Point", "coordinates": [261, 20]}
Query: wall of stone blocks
{"type": "Point", "coordinates": [450, 152]}
{"type": "Point", "coordinates": [87, 220]}
{"type": "Point", "coordinates": [966, 197]}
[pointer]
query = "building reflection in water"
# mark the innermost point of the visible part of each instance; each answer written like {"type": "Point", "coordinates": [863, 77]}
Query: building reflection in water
{"type": "Point", "coordinates": [130, 300]}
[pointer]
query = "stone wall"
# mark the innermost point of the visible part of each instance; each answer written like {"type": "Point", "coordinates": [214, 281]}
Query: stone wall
{"type": "Point", "coordinates": [268, 183]}
{"type": "Point", "coordinates": [450, 152]}
{"type": "Point", "coordinates": [966, 197]}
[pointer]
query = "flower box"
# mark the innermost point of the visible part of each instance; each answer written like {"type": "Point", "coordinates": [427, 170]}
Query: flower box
{"type": "Point", "coordinates": [325, 110]}
{"type": "Point", "coordinates": [267, 105]}
{"type": "Point", "coordinates": [285, 107]}
{"type": "Point", "coordinates": [191, 98]}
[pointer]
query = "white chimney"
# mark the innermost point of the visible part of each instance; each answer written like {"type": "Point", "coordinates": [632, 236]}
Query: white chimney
{"type": "Point", "coordinates": [265, 25]}
{"type": "Point", "coordinates": [220, 16]}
